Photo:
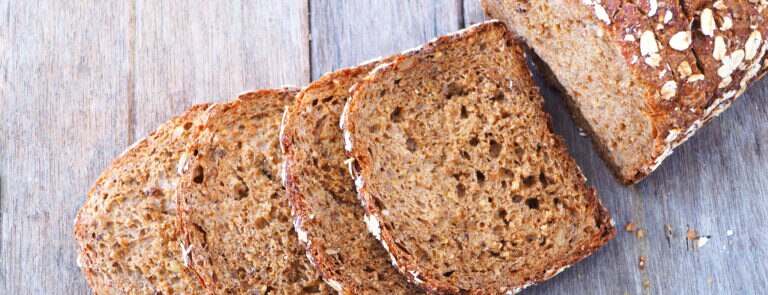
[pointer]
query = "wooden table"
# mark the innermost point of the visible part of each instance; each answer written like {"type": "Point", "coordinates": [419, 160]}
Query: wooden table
{"type": "Point", "coordinates": [81, 80]}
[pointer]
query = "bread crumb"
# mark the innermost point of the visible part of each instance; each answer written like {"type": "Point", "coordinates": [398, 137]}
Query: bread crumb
{"type": "Point", "coordinates": [646, 284]}
{"type": "Point", "coordinates": [710, 281]}
{"type": "Point", "coordinates": [640, 234]}
{"type": "Point", "coordinates": [630, 227]}
{"type": "Point", "coordinates": [691, 235]}
{"type": "Point", "coordinates": [641, 262]}
{"type": "Point", "coordinates": [729, 232]}
{"type": "Point", "coordinates": [703, 240]}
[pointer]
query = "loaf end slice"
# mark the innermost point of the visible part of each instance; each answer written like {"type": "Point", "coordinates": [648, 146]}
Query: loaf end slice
{"type": "Point", "coordinates": [235, 218]}
{"type": "Point", "coordinates": [642, 77]}
{"type": "Point", "coordinates": [460, 175]}
{"type": "Point", "coordinates": [126, 232]}
{"type": "Point", "coordinates": [327, 214]}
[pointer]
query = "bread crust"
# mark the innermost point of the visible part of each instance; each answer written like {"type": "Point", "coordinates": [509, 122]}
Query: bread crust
{"type": "Point", "coordinates": [374, 217]}
{"type": "Point", "coordinates": [106, 216]}
{"type": "Point", "coordinates": [687, 82]}
{"type": "Point", "coordinates": [224, 265]}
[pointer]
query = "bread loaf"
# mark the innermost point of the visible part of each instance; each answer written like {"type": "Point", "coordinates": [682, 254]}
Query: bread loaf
{"type": "Point", "coordinates": [126, 232]}
{"type": "Point", "coordinates": [641, 77]}
{"type": "Point", "coordinates": [460, 175]}
{"type": "Point", "coordinates": [236, 221]}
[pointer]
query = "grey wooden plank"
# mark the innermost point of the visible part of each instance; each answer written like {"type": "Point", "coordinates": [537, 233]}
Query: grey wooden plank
{"type": "Point", "coordinates": [346, 33]}
{"type": "Point", "coordinates": [189, 52]}
{"type": "Point", "coordinates": [473, 12]}
{"type": "Point", "coordinates": [64, 67]}
{"type": "Point", "coordinates": [716, 182]}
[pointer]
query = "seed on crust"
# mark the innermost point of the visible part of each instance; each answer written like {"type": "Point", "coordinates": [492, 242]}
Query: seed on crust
{"type": "Point", "coordinates": [668, 90]}
{"type": "Point", "coordinates": [680, 41]}
{"type": "Point", "coordinates": [708, 24]}
{"type": "Point", "coordinates": [752, 45]}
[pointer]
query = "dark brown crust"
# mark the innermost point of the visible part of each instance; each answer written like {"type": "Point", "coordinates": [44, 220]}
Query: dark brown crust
{"type": "Point", "coordinates": [291, 180]}
{"type": "Point", "coordinates": [362, 162]}
{"type": "Point", "coordinates": [86, 249]}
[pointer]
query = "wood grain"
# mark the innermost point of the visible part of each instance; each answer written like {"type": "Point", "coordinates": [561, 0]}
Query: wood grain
{"type": "Point", "coordinates": [81, 81]}
{"type": "Point", "coordinates": [189, 52]}
{"type": "Point", "coordinates": [346, 33]}
{"type": "Point", "coordinates": [63, 119]}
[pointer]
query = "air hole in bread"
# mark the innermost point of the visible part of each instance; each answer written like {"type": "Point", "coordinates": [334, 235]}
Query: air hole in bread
{"type": "Point", "coordinates": [498, 97]}
{"type": "Point", "coordinates": [532, 203]}
{"type": "Point", "coordinates": [474, 141]}
{"type": "Point", "coordinates": [501, 213]}
{"type": "Point", "coordinates": [187, 125]}
{"type": "Point", "coordinates": [543, 179]}
{"type": "Point", "coordinates": [517, 198]}
{"type": "Point", "coordinates": [448, 273]}
{"type": "Point", "coordinates": [314, 102]}
{"type": "Point", "coordinates": [480, 178]}
{"type": "Point", "coordinates": [494, 149]}
{"type": "Point", "coordinates": [374, 128]}
{"type": "Point", "coordinates": [396, 116]}
{"type": "Point", "coordinates": [461, 191]}
{"type": "Point", "coordinates": [310, 289]}
{"type": "Point", "coordinates": [377, 202]}
{"type": "Point", "coordinates": [198, 175]}
{"type": "Point", "coordinates": [464, 112]}
{"type": "Point", "coordinates": [410, 144]}
{"type": "Point", "coordinates": [519, 152]}
{"type": "Point", "coordinates": [242, 191]}
{"type": "Point", "coordinates": [453, 89]}
{"type": "Point", "coordinates": [529, 181]}
{"type": "Point", "coordinates": [557, 202]}
{"type": "Point", "coordinates": [260, 223]}
{"type": "Point", "coordinates": [465, 155]}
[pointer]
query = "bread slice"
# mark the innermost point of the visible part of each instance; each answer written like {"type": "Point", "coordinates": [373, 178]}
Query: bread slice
{"type": "Point", "coordinates": [235, 218]}
{"type": "Point", "coordinates": [460, 175]}
{"type": "Point", "coordinates": [327, 213]}
{"type": "Point", "coordinates": [642, 77]}
{"type": "Point", "coordinates": [126, 232]}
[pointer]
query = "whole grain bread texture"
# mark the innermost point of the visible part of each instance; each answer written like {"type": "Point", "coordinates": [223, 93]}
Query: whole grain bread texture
{"type": "Point", "coordinates": [641, 77]}
{"type": "Point", "coordinates": [126, 232]}
{"type": "Point", "coordinates": [460, 175]}
{"type": "Point", "coordinates": [327, 214]}
{"type": "Point", "coordinates": [235, 218]}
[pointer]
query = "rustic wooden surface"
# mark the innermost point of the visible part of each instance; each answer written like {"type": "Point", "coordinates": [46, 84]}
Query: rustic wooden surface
{"type": "Point", "coordinates": [79, 82]}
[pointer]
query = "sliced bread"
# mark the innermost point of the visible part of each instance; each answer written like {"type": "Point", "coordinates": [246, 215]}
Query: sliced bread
{"type": "Point", "coordinates": [126, 232]}
{"type": "Point", "coordinates": [327, 214]}
{"type": "Point", "coordinates": [460, 175]}
{"type": "Point", "coordinates": [238, 236]}
{"type": "Point", "coordinates": [641, 77]}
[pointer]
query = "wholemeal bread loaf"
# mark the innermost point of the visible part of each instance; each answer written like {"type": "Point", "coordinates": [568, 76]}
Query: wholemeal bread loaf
{"type": "Point", "coordinates": [327, 213]}
{"type": "Point", "coordinates": [642, 76]}
{"type": "Point", "coordinates": [235, 218]}
{"type": "Point", "coordinates": [460, 175]}
{"type": "Point", "coordinates": [126, 232]}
